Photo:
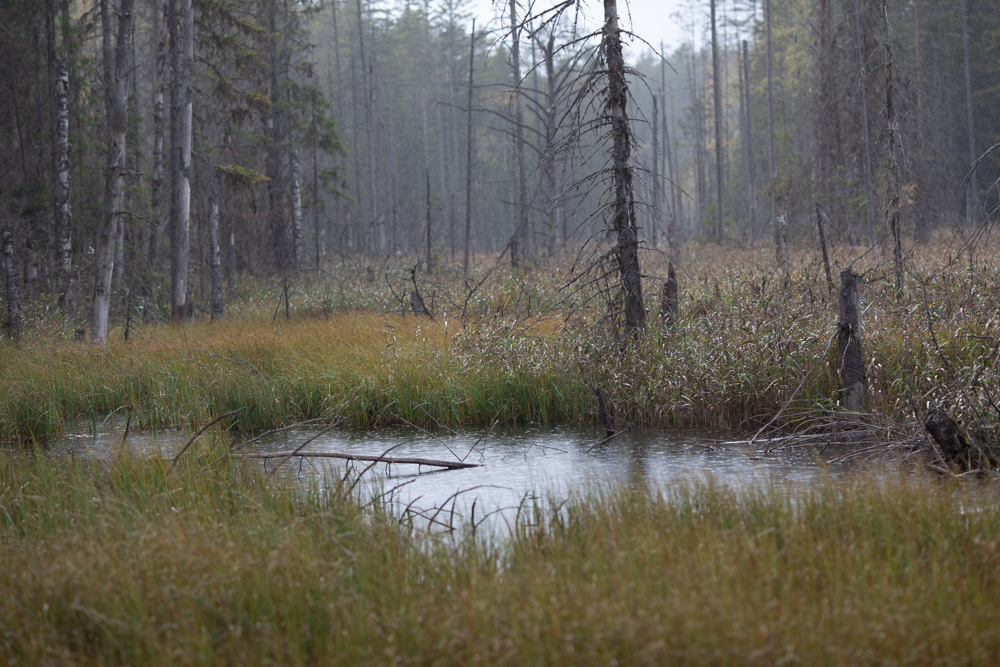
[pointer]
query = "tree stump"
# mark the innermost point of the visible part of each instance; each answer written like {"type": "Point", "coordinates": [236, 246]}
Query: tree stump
{"type": "Point", "coordinates": [669, 308]}
{"type": "Point", "coordinates": [852, 359]}
{"type": "Point", "coordinates": [957, 446]}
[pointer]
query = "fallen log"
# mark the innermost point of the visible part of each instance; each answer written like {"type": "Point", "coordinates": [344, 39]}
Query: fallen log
{"type": "Point", "coordinates": [453, 465]}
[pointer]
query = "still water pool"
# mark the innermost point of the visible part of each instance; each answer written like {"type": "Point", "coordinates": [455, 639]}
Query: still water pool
{"type": "Point", "coordinates": [515, 466]}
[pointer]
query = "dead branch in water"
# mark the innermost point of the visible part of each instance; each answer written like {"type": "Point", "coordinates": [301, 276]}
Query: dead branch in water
{"type": "Point", "coordinates": [358, 457]}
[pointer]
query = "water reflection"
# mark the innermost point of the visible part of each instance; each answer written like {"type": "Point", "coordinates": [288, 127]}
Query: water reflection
{"type": "Point", "coordinates": [516, 465]}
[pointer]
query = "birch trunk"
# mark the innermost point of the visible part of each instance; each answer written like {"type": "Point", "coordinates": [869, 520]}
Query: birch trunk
{"type": "Point", "coordinates": [655, 220]}
{"type": "Point", "coordinates": [866, 158]}
{"type": "Point", "coordinates": [116, 75]}
{"type": "Point", "coordinates": [296, 195]}
{"type": "Point", "coordinates": [64, 212]}
{"type": "Point", "coordinates": [58, 71]}
{"type": "Point", "coordinates": [623, 220]}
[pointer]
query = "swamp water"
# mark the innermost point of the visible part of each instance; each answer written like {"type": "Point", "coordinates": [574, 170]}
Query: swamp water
{"type": "Point", "coordinates": [516, 467]}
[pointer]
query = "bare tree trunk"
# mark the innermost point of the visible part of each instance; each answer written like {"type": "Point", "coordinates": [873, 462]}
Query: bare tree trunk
{"type": "Point", "coordinates": [553, 207]}
{"type": "Point", "coordinates": [772, 163]}
{"type": "Point", "coordinates": [317, 228]}
{"type": "Point", "coordinates": [156, 219]}
{"type": "Point", "coordinates": [822, 247]}
{"type": "Point", "coordinates": [866, 159]}
{"type": "Point", "coordinates": [213, 233]}
{"type": "Point", "coordinates": [892, 203]}
{"type": "Point", "coordinates": [58, 71]}
{"type": "Point", "coordinates": [655, 218]}
{"type": "Point", "coordinates": [972, 191]}
{"type": "Point", "coordinates": [430, 248]}
{"type": "Point", "coordinates": [623, 221]}
{"type": "Point", "coordinates": [13, 324]}
{"type": "Point", "coordinates": [772, 159]}
{"type": "Point", "coordinates": [719, 165]}
{"type": "Point", "coordinates": [296, 195]}
{"type": "Point", "coordinates": [230, 234]}
{"type": "Point", "coordinates": [751, 165]}
{"type": "Point", "coordinates": [366, 77]}
{"type": "Point", "coordinates": [781, 233]}
{"type": "Point", "coordinates": [852, 367]}
{"type": "Point", "coordinates": [675, 208]}
{"type": "Point", "coordinates": [521, 227]}
{"type": "Point", "coordinates": [116, 74]}
{"type": "Point", "coordinates": [180, 159]}
{"type": "Point", "coordinates": [469, 157]}
{"type": "Point", "coordinates": [64, 213]}
{"type": "Point", "coordinates": [274, 161]}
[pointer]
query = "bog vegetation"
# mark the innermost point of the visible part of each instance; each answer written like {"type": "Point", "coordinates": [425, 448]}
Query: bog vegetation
{"type": "Point", "coordinates": [248, 215]}
{"type": "Point", "coordinates": [135, 563]}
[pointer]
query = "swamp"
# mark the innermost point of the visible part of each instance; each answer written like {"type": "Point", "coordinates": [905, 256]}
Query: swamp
{"type": "Point", "coordinates": [537, 333]}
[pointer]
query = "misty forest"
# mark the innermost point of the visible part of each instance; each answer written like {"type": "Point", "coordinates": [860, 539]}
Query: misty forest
{"type": "Point", "coordinates": [699, 337]}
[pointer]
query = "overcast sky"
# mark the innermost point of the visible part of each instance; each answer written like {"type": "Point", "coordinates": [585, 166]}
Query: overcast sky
{"type": "Point", "coordinates": [653, 20]}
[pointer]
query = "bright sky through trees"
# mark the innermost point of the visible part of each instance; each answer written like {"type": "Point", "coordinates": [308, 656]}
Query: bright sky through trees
{"type": "Point", "coordinates": [653, 20]}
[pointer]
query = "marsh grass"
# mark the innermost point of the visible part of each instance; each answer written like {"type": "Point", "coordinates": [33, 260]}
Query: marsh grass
{"type": "Point", "coordinates": [522, 348]}
{"type": "Point", "coordinates": [130, 562]}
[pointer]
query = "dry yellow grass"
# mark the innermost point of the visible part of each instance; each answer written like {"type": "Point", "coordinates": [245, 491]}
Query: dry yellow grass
{"type": "Point", "coordinates": [208, 564]}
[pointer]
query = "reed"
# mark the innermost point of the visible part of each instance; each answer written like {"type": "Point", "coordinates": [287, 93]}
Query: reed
{"type": "Point", "coordinates": [520, 349]}
{"type": "Point", "coordinates": [131, 562]}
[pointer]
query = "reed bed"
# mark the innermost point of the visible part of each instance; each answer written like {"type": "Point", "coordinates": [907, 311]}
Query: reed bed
{"type": "Point", "coordinates": [133, 562]}
{"type": "Point", "coordinates": [521, 347]}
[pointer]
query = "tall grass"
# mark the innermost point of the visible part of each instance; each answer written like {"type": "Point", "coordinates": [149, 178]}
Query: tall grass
{"type": "Point", "coordinates": [521, 350]}
{"type": "Point", "coordinates": [133, 563]}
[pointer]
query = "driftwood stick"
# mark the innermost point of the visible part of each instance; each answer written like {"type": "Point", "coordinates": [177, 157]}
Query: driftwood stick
{"type": "Point", "coordinates": [602, 410]}
{"type": "Point", "coordinates": [203, 429]}
{"type": "Point", "coordinates": [358, 457]}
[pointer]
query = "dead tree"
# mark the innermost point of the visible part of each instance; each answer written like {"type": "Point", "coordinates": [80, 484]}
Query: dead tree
{"type": "Point", "coordinates": [470, 157]}
{"type": "Point", "coordinates": [669, 305]}
{"type": "Point", "coordinates": [866, 159]}
{"type": "Point", "coordinates": [429, 228]}
{"type": "Point", "coordinates": [781, 234]}
{"type": "Point", "coordinates": [972, 190]}
{"type": "Point", "coordinates": [116, 75]}
{"type": "Point", "coordinates": [655, 218]}
{"type": "Point", "coordinates": [749, 146]}
{"type": "Point", "coordinates": [623, 214]}
{"type": "Point", "coordinates": [181, 107]}
{"type": "Point", "coordinates": [159, 74]}
{"type": "Point", "coordinates": [13, 324]}
{"type": "Point", "coordinates": [852, 359]}
{"type": "Point", "coordinates": [822, 246]}
{"type": "Point", "coordinates": [717, 94]}
{"type": "Point", "coordinates": [892, 204]}
{"type": "Point", "coordinates": [521, 215]}
{"type": "Point", "coordinates": [213, 232]}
